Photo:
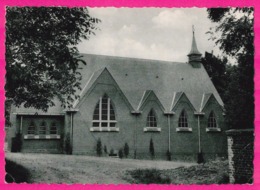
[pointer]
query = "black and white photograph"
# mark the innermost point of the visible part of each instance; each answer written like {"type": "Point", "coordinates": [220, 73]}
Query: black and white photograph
{"type": "Point", "coordinates": [105, 95]}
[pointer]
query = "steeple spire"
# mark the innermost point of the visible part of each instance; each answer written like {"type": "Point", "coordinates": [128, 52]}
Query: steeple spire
{"type": "Point", "coordinates": [194, 55]}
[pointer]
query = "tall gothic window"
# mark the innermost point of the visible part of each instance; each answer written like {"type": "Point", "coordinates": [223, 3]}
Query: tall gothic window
{"type": "Point", "coordinates": [31, 130]}
{"type": "Point", "coordinates": [212, 123]}
{"type": "Point", "coordinates": [43, 128]}
{"type": "Point", "coordinates": [183, 121]}
{"type": "Point", "coordinates": [104, 114]}
{"type": "Point", "coordinates": [151, 119]}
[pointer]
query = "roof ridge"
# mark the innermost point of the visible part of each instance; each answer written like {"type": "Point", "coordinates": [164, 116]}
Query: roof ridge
{"type": "Point", "coordinates": [140, 59]}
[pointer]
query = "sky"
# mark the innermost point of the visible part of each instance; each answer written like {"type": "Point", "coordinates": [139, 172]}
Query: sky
{"type": "Point", "coordinates": [149, 33]}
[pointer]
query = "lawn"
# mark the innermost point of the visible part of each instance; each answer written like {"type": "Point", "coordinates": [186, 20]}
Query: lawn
{"type": "Point", "coordinates": [69, 169]}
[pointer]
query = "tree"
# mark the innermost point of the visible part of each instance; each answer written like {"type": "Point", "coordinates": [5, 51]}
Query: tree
{"type": "Point", "coordinates": [151, 148]}
{"type": "Point", "coordinates": [42, 60]}
{"type": "Point", "coordinates": [120, 153]}
{"type": "Point", "coordinates": [99, 147]}
{"type": "Point", "coordinates": [105, 149]}
{"type": "Point", "coordinates": [126, 150]}
{"type": "Point", "coordinates": [216, 69]}
{"type": "Point", "coordinates": [235, 36]}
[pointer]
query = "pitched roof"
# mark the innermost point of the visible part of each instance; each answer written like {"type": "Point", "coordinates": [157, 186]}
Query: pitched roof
{"type": "Point", "coordinates": [134, 76]}
{"type": "Point", "coordinates": [205, 99]}
{"type": "Point", "coordinates": [146, 95]}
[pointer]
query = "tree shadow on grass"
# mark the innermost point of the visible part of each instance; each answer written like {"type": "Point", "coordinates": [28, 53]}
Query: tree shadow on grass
{"type": "Point", "coordinates": [15, 173]}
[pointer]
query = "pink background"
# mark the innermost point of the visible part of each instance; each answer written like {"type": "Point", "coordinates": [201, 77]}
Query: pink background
{"type": "Point", "coordinates": [132, 3]}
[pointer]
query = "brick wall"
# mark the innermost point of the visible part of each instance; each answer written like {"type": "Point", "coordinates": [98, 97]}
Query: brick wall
{"type": "Point", "coordinates": [240, 155]}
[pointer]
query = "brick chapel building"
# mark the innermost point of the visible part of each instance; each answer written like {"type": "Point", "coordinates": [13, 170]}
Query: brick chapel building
{"type": "Point", "coordinates": [129, 100]}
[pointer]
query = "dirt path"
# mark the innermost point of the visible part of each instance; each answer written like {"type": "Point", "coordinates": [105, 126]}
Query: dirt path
{"type": "Point", "coordinates": [54, 168]}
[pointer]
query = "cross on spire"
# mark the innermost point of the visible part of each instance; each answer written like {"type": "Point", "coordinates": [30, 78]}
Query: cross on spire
{"type": "Point", "coordinates": [194, 50]}
{"type": "Point", "coordinates": [194, 55]}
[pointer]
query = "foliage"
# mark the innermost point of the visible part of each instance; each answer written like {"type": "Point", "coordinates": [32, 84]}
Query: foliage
{"type": "Point", "coordinates": [169, 155]}
{"type": "Point", "coordinates": [235, 36]}
{"type": "Point", "coordinates": [200, 158]}
{"type": "Point", "coordinates": [99, 147]}
{"type": "Point", "coordinates": [216, 69]}
{"type": "Point", "coordinates": [7, 113]}
{"type": "Point", "coordinates": [17, 143]}
{"type": "Point", "coordinates": [126, 150]}
{"type": "Point", "coordinates": [105, 149]}
{"type": "Point", "coordinates": [120, 153]}
{"type": "Point", "coordinates": [42, 59]}
{"type": "Point", "coordinates": [151, 148]}
{"type": "Point", "coordinates": [111, 152]}
{"type": "Point", "coordinates": [149, 176]}
{"type": "Point", "coordinates": [68, 148]}
{"type": "Point", "coordinates": [214, 172]}
{"type": "Point", "coordinates": [15, 173]}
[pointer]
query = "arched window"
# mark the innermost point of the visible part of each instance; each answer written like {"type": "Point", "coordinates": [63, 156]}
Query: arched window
{"type": "Point", "coordinates": [53, 129]}
{"type": "Point", "coordinates": [183, 121]}
{"type": "Point", "coordinates": [104, 114]}
{"type": "Point", "coordinates": [151, 119]}
{"type": "Point", "coordinates": [43, 128]}
{"type": "Point", "coordinates": [31, 128]}
{"type": "Point", "coordinates": [212, 123]}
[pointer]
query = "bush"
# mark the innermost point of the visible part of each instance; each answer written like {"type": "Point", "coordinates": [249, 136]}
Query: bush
{"type": "Point", "coordinates": [151, 148]}
{"type": "Point", "coordinates": [149, 176]}
{"type": "Point", "coordinates": [99, 147]}
{"type": "Point", "coordinates": [169, 155]}
{"type": "Point", "coordinates": [68, 148]}
{"type": "Point", "coordinates": [223, 178]}
{"type": "Point", "coordinates": [111, 152]}
{"type": "Point", "coordinates": [120, 153]}
{"type": "Point", "coordinates": [200, 158]}
{"type": "Point", "coordinates": [126, 150]}
{"type": "Point", "coordinates": [17, 143]}
{"type": "Point", "coordinates": [105, 149]}
{"type": "Point", "coordinates": [15, 173]}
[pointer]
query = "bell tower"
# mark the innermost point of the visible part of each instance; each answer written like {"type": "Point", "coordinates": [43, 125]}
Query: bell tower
{"type": "Point", "coordinates": [194, 55]}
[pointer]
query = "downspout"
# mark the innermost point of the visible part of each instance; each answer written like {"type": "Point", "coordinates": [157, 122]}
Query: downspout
{"type": "Point", "coordinates": [169, 130]}
{"type": "Point", "coordinates": [135, 136]}
{"type": "Point", "coordinates": [199, 135]}
{"type": "Point", "coordinates": [21, 125]}
{"type": "Point", "coordinates": [71, 130]}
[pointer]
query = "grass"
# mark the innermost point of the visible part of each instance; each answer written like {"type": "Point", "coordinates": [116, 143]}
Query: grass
{"type": "Point", "coordinates": [215, 172]}
{"type": "Point", "coordinates": [15, 173]}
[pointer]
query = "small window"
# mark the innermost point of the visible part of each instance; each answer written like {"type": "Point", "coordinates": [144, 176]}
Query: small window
{"type": "Point", "coordinates": [151, 119]}
{"type": "Point", "coordinates": [212, 123]}
{"type": "Point", "coordinates": [53, 129]}
{"type": "Point", "coordinates": [31, 128]}
{"type": "Point", "coordinates": [43, 128]}
{"type": "Point", "coordinates": [183, 121]}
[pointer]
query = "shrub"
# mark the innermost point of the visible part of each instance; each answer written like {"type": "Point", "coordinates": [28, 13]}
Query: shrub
{"type": "Point", "coordinates": [17, 143]}
{"type": "Point", "coordinates": [105, 149]}
{"type": "Point", "coordinates": [99, 147]}
{"type": "Point", "coordinates": [126, 150]}
{"type": "Point", "coordinates": [149, 176]}
{"type": "Point", "coordinates": [111, 152]}
{"type": "Point", "coordinates": [120, 153]}
{"type": "Point", "coordinates": [68, 148]}
{"type": "Point", "coordinates": [223, 178]}
{"type": "Point", "coordinates": [151, 148]}
{"type": "Point", "coordinates": [200, 158]}
{"type": "Point", "coordinates": [169, 155]}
